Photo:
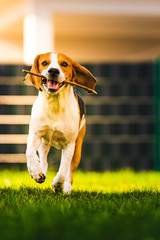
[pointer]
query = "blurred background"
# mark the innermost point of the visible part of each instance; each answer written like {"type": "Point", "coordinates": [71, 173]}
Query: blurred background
{"type": "Point", "coordinates": [119, 42]}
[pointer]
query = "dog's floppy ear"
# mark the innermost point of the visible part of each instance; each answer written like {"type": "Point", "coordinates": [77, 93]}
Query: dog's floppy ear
{"type": "Point", "coordinates": [36, 81]}
{"type": "Point", "coordinates": [83, 76]}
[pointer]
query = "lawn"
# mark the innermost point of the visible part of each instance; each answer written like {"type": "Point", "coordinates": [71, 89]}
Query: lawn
{"type": "Point", "coordinates": [112, 205]}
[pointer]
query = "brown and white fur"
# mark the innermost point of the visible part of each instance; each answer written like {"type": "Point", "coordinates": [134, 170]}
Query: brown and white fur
{"type": "Point", "coordinates": [58, 118]}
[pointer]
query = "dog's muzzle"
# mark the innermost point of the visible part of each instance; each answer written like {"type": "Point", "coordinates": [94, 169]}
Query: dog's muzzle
{"type": "Point", "coordinates": [52, 85]}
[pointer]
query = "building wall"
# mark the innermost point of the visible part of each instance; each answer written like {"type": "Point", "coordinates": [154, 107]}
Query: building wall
{"type": "Point", "coordinates": [89, 31]}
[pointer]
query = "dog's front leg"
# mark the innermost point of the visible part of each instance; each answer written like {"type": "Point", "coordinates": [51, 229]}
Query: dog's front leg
{"type": "Point", "coordinates": [43, 152]}
{"type": "Point", "coordinates": [33, 162]}
{"type": "Point", "coordinates": [67, 154]}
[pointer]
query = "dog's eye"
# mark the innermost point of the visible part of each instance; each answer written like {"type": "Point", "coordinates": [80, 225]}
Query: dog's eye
{"type": "Point", "coordinates": [44, 63]}
{"type": "Point", "coordinates": [64, 64]}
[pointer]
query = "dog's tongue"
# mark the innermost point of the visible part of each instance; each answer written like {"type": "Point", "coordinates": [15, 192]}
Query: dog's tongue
{"type": "Point", "coordinates": [52, 84]}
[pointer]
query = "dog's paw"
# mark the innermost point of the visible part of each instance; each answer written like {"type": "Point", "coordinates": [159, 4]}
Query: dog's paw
{"type": "Point", "coordinates": [58, 184]}
{"type": "Point", "coordinates": [67, 187]}
{"type": "Point", "coordinates": [36, 173]}
{"type": "Point", "coordinates": [40, 178]}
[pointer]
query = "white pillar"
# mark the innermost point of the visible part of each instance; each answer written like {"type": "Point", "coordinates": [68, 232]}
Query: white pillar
{"type": "Point", "coordinates": [38, 34]}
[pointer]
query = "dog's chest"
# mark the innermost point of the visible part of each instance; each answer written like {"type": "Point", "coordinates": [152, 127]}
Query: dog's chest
{"type": "Point", "coordinates": [58, 126]}
{"type": "Point", "coordinates": [60, 133]}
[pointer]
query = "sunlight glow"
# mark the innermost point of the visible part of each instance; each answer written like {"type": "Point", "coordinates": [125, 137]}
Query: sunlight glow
{"type": "Point", "coordinates": [29, 38]}
{"type": "Point", "coordinates": [38, 35]}
{"type": "Point", "coordinates": [106, 182]}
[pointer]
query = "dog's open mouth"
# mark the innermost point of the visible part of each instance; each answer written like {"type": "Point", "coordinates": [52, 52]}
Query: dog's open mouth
{"type": "Point", "coordinates": [52, 85]}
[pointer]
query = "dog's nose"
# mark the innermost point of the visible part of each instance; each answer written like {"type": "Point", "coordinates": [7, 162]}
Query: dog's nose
{"type": "Point", "coordinates": [53, 72]}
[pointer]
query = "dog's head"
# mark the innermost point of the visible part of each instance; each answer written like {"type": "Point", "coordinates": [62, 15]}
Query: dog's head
{"type": "Point", "coordinates": [57, 68]}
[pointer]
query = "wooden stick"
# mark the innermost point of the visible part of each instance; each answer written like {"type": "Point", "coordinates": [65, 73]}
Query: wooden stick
{"type": "Point", "coordinates": [81, 86]}
{"type": "Point", "coordinates": [37, 75]}
{"type": "Point", "coordinates": [65, 81]}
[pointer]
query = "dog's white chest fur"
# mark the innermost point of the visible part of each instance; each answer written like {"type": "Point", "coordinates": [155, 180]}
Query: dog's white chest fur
{"type": "Point", "coordinates": [56, 119]}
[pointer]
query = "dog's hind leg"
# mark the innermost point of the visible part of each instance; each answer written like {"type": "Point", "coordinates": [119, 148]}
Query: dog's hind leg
{"type": "Point", "coordinates": [43, 152]}
{"type": "Point", "coordinates": [75, 160]}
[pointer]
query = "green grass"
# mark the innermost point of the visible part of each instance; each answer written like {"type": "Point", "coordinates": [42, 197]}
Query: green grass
{"type": "Point", "coordinates": [112, 205]}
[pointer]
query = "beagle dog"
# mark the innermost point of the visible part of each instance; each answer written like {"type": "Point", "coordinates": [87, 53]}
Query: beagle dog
{"type": "Point", "coordinates": [57, 118]}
